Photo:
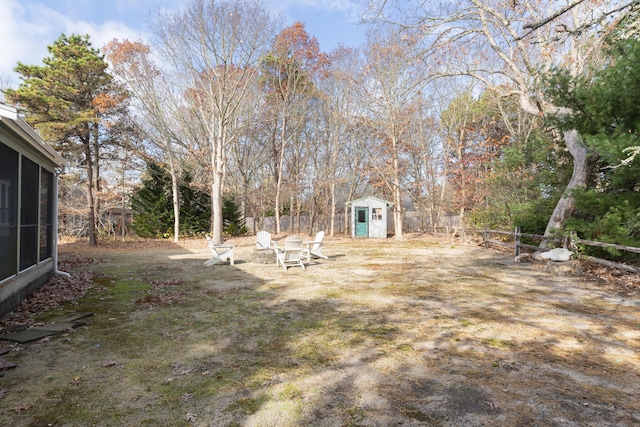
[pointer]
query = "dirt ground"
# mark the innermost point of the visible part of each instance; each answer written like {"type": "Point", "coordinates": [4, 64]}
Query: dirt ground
{"type": "Point", "coordinates": [423, 332]}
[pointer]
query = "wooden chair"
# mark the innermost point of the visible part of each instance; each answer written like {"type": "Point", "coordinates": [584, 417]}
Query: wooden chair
{"type": "Point", "coordinates": [291, 254]}
{"type": "Point", "coordinates": [263, 240]}
{"type": "Point", "coordinates": [313, 248]}
{"type": "Point", "coordinates": [219, 253]}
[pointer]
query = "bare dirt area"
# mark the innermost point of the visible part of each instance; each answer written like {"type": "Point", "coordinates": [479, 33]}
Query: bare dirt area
{"type": "Point", "coordinates": [422, 332]}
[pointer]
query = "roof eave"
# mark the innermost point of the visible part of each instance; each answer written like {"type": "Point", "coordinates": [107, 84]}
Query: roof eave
{"type": "Point", "coordinates": [10, 117]}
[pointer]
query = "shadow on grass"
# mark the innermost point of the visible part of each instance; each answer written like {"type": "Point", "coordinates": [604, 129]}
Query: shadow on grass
{"type": "Point", "coordinates": [379, 336]}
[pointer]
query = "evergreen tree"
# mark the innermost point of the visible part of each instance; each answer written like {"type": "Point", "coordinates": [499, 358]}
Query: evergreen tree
{"type": "Point", "coordinates": [232, 217]}
{"type": "Point", "coordinates": [608, 115]}
{"type": "Point", "coordinates": [151, 204]}
{"type": "Point", "coordinates": [65, 99]}
{"type": "Point", "coordinates": [195, 207]}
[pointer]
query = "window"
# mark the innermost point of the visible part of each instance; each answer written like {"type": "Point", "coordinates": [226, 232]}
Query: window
{"type": "Point", "coordinates": [376, 214]}
{"type": "Point", "coordinates": [362, 215]}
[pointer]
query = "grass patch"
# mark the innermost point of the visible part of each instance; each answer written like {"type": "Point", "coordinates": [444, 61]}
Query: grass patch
{"type": "Point", "coordinates": [465, 323]}
{"type": "Point", "coordinates": [248, 406]}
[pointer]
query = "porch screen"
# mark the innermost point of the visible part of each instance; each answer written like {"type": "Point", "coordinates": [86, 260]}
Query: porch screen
{"type": "Point", "coordinates": [8, 208]}
{"type": "Point", "coordinates": [46, 214]}
{"type": "Point", "coordinates": [29, 191]}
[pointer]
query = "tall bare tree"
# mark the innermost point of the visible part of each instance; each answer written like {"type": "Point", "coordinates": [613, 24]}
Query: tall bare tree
{"type": "Point", "coordinates": [215, 46]}
{"type": "Point", "coordinates": [288, 74]}
{"type": "Point", "coordinates": [427, 178]}
{"type": "Point", "coordinates": [154, 107]}
{"type": "Point", "coordinates": [336, 132]}
{"type": "Point", "coordinates": [394, 78]}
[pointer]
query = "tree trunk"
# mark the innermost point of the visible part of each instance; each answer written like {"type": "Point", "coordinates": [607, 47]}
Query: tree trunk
{"type": "Point", "coordinates": [93, 238]}
{"type": "Point", "coordinates": [95, 136]}
{"type": "Point", "coordinates": [280, 168]}
{"type": "Point", "coordinates": [397, 192]}
{"type": "Point", "coordinates": [333, 208]}
{"type": "Point", "coordinates": [566, 204]}
{"type": "Point", "coordinates": [398, 212]}
{"type": "Point", "coordinates": [216, 205]}
{"type": "Point", "coordinates": [216, 186]}
{"type": "Point", "coordinates": [175, 193]}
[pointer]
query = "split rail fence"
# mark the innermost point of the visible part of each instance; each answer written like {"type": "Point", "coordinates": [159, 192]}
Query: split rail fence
{"type": "Point", "coordinates": [513, 239]}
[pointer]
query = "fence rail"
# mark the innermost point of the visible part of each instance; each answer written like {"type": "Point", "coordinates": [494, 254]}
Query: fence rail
{"type": "Point", "coordinates": [516, 243]}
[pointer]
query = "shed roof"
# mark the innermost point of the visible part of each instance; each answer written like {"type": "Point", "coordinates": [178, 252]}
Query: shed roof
{"type": "Point", "coordinates": [350, 202]}
{"type": "Point", "coordinates": [9, 118]}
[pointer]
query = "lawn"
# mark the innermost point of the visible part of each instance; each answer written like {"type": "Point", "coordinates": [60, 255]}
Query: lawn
{"type": "Point", "coordinates": [422, 332]}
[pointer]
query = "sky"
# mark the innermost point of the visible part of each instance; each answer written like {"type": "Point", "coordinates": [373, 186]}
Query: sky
{"type": "Point", "coordinates": [27, 27]}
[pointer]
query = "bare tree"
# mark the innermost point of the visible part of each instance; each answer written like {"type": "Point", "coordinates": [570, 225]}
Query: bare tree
{"type": "Point", "coordinates": [394, 78]}
{"type": "Point", "coordinates": [248, 157]}
{"type": "Point", "coordinates": [288, 74]}
{"type": "Point", "coordinates": [154, 107]}
{"type": "Point", "coordinates": [339, 107]}
{"type": "Point", "coordinates": [215, 47]}
{"type": "Point", "coordinates": [426, 157]}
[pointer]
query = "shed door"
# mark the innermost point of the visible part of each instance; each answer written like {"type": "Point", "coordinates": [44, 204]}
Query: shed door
{"type": "Point", "coordinates": [362, 222]}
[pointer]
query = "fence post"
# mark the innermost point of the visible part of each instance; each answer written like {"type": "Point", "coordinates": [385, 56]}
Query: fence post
{"type": "Point", "coordinates": [573, 236]}
{"type": "Point", "coordinates": [485, 237]}
{"type": "Point", "coordinates": [516, 236]}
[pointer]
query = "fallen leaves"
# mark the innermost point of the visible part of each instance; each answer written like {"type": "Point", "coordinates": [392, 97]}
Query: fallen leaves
{"type": "Point", "coordinates": [54, 291]}
{"type": "Point", "coordinates": [155, 300]}
{"type": "Point", "coordinates": [191, 417]}
{"type": "Point", "coordinates": [178, 369]}
{"type": "Point", "coordinates": [155, 297]}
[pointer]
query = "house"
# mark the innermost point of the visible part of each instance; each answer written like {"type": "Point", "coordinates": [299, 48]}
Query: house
{"type": "Point", "coordinates": [369, 217]}
{"type": "Point", "coordinates": [28, 209]}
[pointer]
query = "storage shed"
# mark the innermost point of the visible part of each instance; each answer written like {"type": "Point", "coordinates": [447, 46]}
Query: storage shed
{"type": "Point", "coordinates": [369, 217]}
{"type": "Point", "coordinates": [28, 209]}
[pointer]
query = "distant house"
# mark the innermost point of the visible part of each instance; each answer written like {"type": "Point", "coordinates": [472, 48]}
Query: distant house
{"type": "Point", "coordinates": [28, 209]}
{"type": "Point", "coordinates": [369, 216]}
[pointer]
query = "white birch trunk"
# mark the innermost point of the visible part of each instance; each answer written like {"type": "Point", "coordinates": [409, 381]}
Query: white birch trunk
{"type": "Point", "coordinates": [175, 194]}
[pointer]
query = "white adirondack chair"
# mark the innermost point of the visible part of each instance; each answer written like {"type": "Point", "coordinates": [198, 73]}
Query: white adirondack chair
{"type": "Point", "coordinates": [263, 240]}
{"type": "Point", "coordinates": [291, 254]}
{"type": "Point", "coordinates": [219, 253]}
{"type": "Point", "coordinates": [313, 248]}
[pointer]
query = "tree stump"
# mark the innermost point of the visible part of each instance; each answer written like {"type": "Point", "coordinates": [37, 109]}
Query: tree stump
{"type": "Point", "coordinates": [263, 256]}
{"type": "Point", "coordinates": [564, 268]}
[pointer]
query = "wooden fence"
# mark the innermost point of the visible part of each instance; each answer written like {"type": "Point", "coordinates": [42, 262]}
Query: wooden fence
{"type": "Point", "coordinates": [513, 239]}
